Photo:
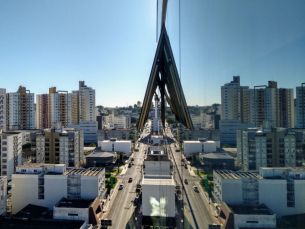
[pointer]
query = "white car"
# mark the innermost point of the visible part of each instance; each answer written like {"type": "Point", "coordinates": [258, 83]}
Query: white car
{"type": "Point", "coordinates": [195, 188]}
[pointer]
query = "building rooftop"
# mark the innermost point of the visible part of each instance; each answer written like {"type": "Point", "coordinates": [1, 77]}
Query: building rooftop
{"type": "Point", "coordinates": [31, 211]}
{"type": "Point", "coordinates": [158, 181]}
{"type": "Point", "coordinates": [67, 203]}
{"type": "Point", "coordinates": [37, 165]}
{"type": "Point", "coordinates": [229, 174]}
{"type": "Point", "coordinates": [220, 155]}
{"type": "Point", "coordinates": [100, 154]}
{"type": "Point", "coordinates": [85, 172]}
{"type": "Point", "coordinates": [250, 210]}
{"type": "Point", "coordinates": [37, 224]}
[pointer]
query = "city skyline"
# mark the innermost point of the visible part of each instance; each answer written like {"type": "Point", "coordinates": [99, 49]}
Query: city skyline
{"type": "Point", "coordinates": [44, 44]}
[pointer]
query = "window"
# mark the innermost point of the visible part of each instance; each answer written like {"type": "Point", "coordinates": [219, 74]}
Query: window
{"type": "Point", "coordinates": [72, 214]}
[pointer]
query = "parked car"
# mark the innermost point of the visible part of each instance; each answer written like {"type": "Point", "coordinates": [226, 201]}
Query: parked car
{"type": "Point", "coordinates": [185, 166]}
{"type": "Point", "coordinates": [195, 188]}
{"type": "Point", "coordinates": [132, 159]}
{"type": "Point", "coordinates": [121, 187]}
{"type": "Point", "coordinates": [185, 181]}
{"type": "Point", "coordinates": [129, 165]}
{"type": "Point", "coordinates": [130, 179]}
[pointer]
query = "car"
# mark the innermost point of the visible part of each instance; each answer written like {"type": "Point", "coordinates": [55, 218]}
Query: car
{"type": "Point", "coordinates": [132, 159]}
{"type": "Point", "coordinates": [185, 166]}
{"type": "Point", "coordinates": [121, 187]}
{"type": "Point", "coordinates": [129, 165]}
{"type": "Point", "coordinates": [195, 188]}
{"type": "Point", "coordinates": [185, 181]}
{"type": "Point", "coordinates": [130, 179]}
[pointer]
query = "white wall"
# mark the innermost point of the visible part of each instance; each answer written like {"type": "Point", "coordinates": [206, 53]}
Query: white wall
{"type": "Point", "coordinates": [266, 221]}
{"type": "Point", "coordinates": [157, 167]}
{"type": "Point", "coordinates": [158, 200]}
{"type": "Point", "coordinates": [232, 191]}
{"type": "Point", "coordinates": [192, 147]}
{"type": "Point", "coordinates": [63, 213]}
{"type": "Point", "coordinates": [124, 146]}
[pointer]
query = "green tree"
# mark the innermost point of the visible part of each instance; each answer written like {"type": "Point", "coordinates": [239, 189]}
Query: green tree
{"type": "Point", "coordinates": [170, 120]}
{"type": "Point", "coordinates": [92, 145]}
{"type": "Point", "coordinates": [26, 145]}
{"type": "Point", "coordinates": [134, 120]}
{"type": "Point", "coordinates": [225, 146]}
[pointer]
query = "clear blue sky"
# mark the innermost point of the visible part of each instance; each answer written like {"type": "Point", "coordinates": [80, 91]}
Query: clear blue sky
{"type": "Point", "coordinates": [111, 45]}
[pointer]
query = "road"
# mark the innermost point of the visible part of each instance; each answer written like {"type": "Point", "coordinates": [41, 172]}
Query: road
{"type": "Point", "coordinates": [122, 210]}
{"type": "Point", "coordinates": [197, 203]}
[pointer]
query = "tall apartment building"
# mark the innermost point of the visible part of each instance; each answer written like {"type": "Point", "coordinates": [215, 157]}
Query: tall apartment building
{"type": "Point", "coordinates": [46, 184]}
{"type": "Point", "coordinates": [3, 194]}
{"type": "Point", "coordinates": [276, 147]}
{"type": "Point", "coordinates": [281, 189]}
{"type": "Point", "coordinates": [235, 101]}
{"type": "Point", "coordinates": [42, 111]}
{"type": "Point", "coordinates": [300, 107]}
{"type": "Point", "coordinates": [10, 152]}
{"type": "Point", "coordinates": [83, 104]}
{"type": "Point", "coordinates": [57, 146]}
{"type": "Point", "coordinates": [272, 104]}
{"type": "Point", "coordinates": [53, 107]}
{"type": "Point", "coordinates": [3, 109]}
{"type": "Point", "coordinates": [20, 110]}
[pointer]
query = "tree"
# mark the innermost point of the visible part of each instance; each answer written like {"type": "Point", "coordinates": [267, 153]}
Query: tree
{"type": "Point", "coordinates": [135, 106]}
{"type": "Point", "coordinates": [225, 146]}
{"type": "Point", "coordinates": [170, 120]}
{"type": "Point", "coordinates": [134, 120]}
{"type": "Point", "coordinates": [92, 145]}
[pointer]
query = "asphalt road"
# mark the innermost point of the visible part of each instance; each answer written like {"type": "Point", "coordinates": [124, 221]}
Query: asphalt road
{"type": "Point", "coordinates": [123, 209]}
{"type": "Point", "coordinates": [198, 206]}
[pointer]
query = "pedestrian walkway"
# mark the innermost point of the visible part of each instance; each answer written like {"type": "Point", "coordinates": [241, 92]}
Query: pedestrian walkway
{"type": "Point", "coordinates": [191, 171]}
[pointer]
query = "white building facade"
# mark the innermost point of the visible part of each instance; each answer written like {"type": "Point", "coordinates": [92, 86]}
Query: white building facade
{"type": "Point", "coordinates": [280, 189]}
{"type": "Point", "coordinates": [113, 145]}
{"type": "Point", "coordinates": [89, 128]}
{"type": "Point", "coordinates": [11, 152]}
{"type": "Point", "coordinates": [46, 184]}
{"type": "Point", "coordinates": [198, 147]}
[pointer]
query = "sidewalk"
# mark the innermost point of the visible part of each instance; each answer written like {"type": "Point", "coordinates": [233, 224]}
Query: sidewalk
{"type": "Point", "coordinates": [191, 171]}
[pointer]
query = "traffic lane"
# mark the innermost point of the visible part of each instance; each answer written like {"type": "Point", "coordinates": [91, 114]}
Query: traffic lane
{"type": "Point", "coordinates": [200, 211]}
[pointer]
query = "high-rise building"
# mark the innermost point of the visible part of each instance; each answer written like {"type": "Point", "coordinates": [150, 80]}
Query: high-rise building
{"type": "Point", "coordinates": [2, 109]}
{"type": "Point", "coordinates": [3, 195]}
{"type": "Point", "coordinates": [83, 104]}
{"type": "Point", "coordinates": [59, 146]}
{"type": "Point", "coordinates": [42, 111]}
{"type": "Point", "coordinates": [275, 147]}
{"type": "Point", "coordinates": [10, 153]}
{"type": "Point", "coordinates": [300, 107]}
{"type": "Point", "coordinates": [235, 101]}
{"type": "Point", "coordinates": [272, 104]}
{"type": "Point", "coordinates": [20, 110]}
{"type": "Point", "coordinates": [53, 107]}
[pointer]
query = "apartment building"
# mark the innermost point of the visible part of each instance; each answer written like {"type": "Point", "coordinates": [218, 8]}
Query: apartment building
{"type": "Point", "coordinates": [83, 104]}
{"type": "Point", "coordinates": [42, 111]}
{"type": "Point", "coordinates": [90, 129]}
{"type": "Point", "coordinates": [46, 184]}
{"type": "Point", "coordinates": [281, 189]}
{"type": "Point", "coordinates": [235, 101]}
{"type": "Point", "coordinates": [10, 152]}
{"type": "Point", "coordinates": [117, 121]}
{"type": "Point", "coordinates": [3, 195]}
{"type": "Point", "coordinates": [300, 107]}
{"type": "Point", "coordinates": [272, 104]}
{"type": "Point", "coordinates": [53, 107]}
{"type": "Point", "coordinates": [58, 146]}
{"type": "Point", "coordinates": [202, 120]}
{"type": "Point", "coordinates": [3, 109]}
{"type": "Point", "coordinates": [20, 110]}
{"type": "Point", "coordinates": [275, 147]}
